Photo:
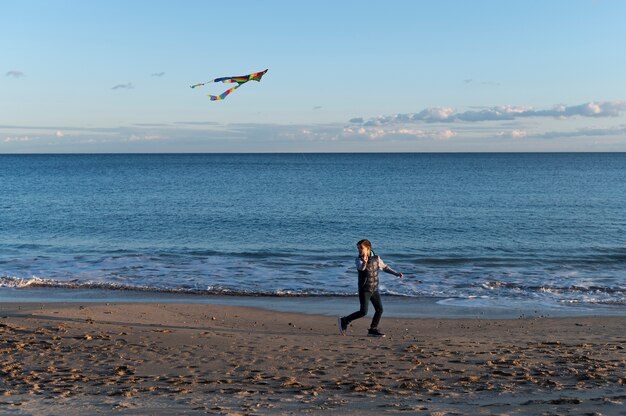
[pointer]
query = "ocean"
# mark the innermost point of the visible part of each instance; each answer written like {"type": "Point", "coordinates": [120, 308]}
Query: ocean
{"type": "Point", "coordinates": [490, 228]}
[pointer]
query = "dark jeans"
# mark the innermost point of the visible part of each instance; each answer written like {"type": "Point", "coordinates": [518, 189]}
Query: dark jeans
{"type": "Point", "coordinates": [364, 299]}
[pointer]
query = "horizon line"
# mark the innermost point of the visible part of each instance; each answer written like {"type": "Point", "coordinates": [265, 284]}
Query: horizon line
{"type": "Point", "coordinates": [300, 153]}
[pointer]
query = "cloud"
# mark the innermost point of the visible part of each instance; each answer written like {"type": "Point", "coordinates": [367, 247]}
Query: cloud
{"type": "Point", "coordinates": [14, 74]}
{"type": "Point", "coordinates": [446, 134]}
{"type": "Point", "coordinates": [498, 113]}
{"type": "Point", "coordinates": [158, 74]}
{"type": "Point", "coordinates": [514, 134]}
{"type": "Point", "coordinates": [502, 128]}
{"type": "Point", "coordinates": [196, 123]}
{"type": "Point", "coordinates": [151, 124]}
{"type": "Point", "coordinates": [605, 109]}
{"type": "Point", "coordinates": [21, 139]}
{"type": "Point", "coordinates": [377, 133]}
{"type": "Point", "coordinates": [128, 86]}
{"type": "Point", "coordinates": [144, 137]}
{"type": "Point", "coordinates": [519, 134]}
{"type": "Point", "coordinates": [584, 132]}
{"type": "Point", "coordinates": [615, 131]}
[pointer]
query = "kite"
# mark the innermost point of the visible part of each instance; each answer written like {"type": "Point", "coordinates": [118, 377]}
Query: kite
{"type": "Point", "coordinates": [232, 80]}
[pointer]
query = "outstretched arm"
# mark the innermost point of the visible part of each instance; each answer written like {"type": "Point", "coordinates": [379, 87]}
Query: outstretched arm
{"type": "Point", "coordinates": [388, 269]}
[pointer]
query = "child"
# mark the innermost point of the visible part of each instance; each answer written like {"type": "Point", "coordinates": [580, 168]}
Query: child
{"type": "Point", "coordinates": [368, 264]}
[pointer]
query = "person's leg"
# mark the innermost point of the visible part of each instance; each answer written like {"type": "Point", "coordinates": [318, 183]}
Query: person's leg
{"type": "Point", "coordinates": [364, 298]}
{"type": "Point", "coordinates": [378, 307]}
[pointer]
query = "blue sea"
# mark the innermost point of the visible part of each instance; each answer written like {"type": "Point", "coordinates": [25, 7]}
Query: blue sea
{"type": "Point", "coordinates": [498, 228]}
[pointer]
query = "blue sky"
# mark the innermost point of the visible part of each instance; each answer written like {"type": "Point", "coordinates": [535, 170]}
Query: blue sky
{"type": "Point", "coordinates": [354, 76]}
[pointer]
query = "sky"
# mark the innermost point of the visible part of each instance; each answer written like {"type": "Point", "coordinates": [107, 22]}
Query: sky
{"type": "Point", "coordinates": [343, 76]}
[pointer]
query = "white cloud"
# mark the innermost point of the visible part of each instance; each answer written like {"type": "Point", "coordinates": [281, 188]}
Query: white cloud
{"type": "Point", "coordinates": [615, 131]}
{"type": "Point", "coordinates": [144, 137]}
{"type": "Point", "coordinates": [497, 113]}
{"type": "Point", "coordinates": [585, 132]}
{"type": "Point", "coordinates": [405, 131]}
{"type": "Point", "coordinates": [434, 128]}
{"type": "Point", "coordinates": [434, 114]}
{"type": "Point", "coordinates": [384, 132]}
{"type": "Point", "coordinates": [18, 139]}
{"type": "Point", "coordinates": [506, 112]}
{"type": "Point", "coordinates": [519, 134]}
{"type": "Point", "coordinates": [446, 134]}
{"type": "Point", "coordinates": [593, 109]}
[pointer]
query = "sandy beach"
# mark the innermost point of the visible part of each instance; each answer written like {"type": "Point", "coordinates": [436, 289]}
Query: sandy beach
{"type": "Point", "coordinates": [151, 358]}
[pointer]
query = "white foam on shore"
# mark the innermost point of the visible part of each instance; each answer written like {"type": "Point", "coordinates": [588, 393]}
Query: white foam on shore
{"type": "Point", "coordinates": [18, 282]}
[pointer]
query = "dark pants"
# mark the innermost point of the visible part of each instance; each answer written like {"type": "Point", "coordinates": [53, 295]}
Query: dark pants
{"type": "Point", "coordinates": [364, 299]}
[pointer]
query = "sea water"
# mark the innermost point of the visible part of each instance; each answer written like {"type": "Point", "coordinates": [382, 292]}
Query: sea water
{"type": "Point", "coordinates": [499, 228]}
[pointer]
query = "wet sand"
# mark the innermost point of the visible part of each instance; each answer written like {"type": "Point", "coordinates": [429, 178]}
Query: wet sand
{"type": "Point", "coordinates": [150, 358]}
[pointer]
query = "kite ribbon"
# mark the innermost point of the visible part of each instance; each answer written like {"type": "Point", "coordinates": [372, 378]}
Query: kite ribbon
{"type": "Point", "coordinates": [240, 80]}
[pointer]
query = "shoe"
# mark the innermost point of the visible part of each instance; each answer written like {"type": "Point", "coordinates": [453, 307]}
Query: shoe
{"type": "Point", "coordinates": [343, 327]}
{"type": "Point", "coordinates": [374, 332]}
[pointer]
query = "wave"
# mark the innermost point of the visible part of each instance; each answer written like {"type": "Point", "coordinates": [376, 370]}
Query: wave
{"type": "Point", "coordinates": [571, 295]}
{"type": "Point", "coordinates": [37, 282]}
{"type": "Point", "coordinates": [609, 302]}
{"type": "Point", "coordinates": [553, 289]}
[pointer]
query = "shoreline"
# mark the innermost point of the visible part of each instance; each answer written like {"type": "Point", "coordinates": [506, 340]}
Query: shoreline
{"type": "Point", "coordinates": [395, 306]}
{"type": "Point", "coordinates": [168, 358]}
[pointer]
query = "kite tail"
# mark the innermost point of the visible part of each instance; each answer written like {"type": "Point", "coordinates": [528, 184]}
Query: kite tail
{"type": "Point", "coordinates": [200, 85]}
{"type": "Point", "coordinates": [226, 80]}
{"type": "Point", "coordinates": [224, 94]}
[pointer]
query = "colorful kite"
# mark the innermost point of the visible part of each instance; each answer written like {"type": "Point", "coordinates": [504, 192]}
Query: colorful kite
{"type": "Point", "coordinates": [232, 80]}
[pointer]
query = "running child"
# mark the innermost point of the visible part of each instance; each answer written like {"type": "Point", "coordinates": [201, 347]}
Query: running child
{"type": "Point", "coordinates": [368, 264]}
